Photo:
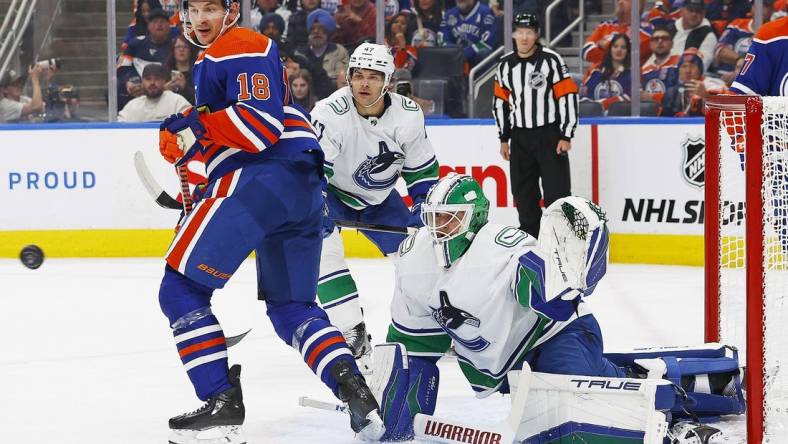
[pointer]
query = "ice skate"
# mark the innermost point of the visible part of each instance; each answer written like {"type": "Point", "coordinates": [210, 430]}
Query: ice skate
{"type": "Point", "coordinates": [364, 410]}
{"type": "Point", "coordinates": [358, 340]}
{"type": "Point", "coordinates": [218, 421]}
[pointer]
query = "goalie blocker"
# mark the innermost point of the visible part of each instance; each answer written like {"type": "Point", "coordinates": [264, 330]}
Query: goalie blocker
{"type": "Point", "coordinates": [666, 384]}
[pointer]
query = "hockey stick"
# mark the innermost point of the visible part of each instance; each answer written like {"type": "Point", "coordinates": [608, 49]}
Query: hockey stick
{"type": "Point", "coordinates": [160, 196]}
{"type": "Point", "coordinates": [450, 431]}
{"type": "Point", "coordinates": [233, 340]}
{"type": "Point", "coordinates": [164, 200]}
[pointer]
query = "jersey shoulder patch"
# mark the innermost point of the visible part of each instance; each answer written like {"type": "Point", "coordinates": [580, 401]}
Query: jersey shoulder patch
{"type": "Point", "coordinates": [510, 237]}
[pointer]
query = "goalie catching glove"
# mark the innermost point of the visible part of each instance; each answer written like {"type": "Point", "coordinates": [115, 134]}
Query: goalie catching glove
{"type": "Point", "coordinates": [180, 135]}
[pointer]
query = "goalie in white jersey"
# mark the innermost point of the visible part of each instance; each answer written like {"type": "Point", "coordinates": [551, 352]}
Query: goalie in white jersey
{"type": "Point", "coordinates": [504, 298]}
{"type": "Point", "coordinates": [371, 138]}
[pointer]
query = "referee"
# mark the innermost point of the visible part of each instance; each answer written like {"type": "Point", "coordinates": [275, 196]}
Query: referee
{"type": "Point", "coordinates": [535, 107]}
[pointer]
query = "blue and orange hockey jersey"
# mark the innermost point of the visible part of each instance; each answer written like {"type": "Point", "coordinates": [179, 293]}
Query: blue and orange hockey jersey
{"type": "Point", "coordinates": [250, 114]}
{"type": "Point", "coordinates": [738, 37]}
{"type": "Point", "coordinates": [598, 87]}
{"type": "Point", "coordinates": [765, 69]}
{"type": "Point", "coordinates": [657, 79]}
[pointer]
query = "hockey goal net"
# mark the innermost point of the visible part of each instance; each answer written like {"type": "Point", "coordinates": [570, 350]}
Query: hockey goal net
{"type": "Point", "coordinates": [746, 243]}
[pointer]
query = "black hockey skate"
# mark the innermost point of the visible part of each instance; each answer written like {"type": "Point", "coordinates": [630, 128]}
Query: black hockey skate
{"type": "Point", "coordinates": [364, 410]}
{"type": "Point", "coordinates": [358, 340]}
{"type": "Point", "coordinates": [218, 421]}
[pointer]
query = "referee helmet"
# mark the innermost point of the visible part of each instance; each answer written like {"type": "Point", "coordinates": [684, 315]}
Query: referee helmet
{"type": "Point", "coordinates": [525, 20]}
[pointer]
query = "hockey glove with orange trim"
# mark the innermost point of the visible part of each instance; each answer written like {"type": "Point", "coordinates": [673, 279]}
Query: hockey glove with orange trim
{"type": "Point", "coordinates": [180, 135]}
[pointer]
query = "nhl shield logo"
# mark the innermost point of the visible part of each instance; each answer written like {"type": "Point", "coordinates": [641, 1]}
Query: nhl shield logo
{"type": "Point", "coordinates": [536, 80]}
{"type": "Point", "coordinates": [694, 165]}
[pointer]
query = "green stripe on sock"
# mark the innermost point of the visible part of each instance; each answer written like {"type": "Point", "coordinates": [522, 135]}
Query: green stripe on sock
{"type": "Point", "coordinates": [336, 288]}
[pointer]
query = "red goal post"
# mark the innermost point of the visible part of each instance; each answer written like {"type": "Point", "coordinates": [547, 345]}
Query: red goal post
{"type": "Point", "coordinates": [746, 228]}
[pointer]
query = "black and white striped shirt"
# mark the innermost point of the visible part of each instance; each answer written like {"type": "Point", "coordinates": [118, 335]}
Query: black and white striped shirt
{"type": "Point", "coordinates": [534, 92]}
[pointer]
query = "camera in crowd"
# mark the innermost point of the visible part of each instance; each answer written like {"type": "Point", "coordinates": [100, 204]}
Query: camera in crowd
{"type": "Point", "coordinates": [50, 63]}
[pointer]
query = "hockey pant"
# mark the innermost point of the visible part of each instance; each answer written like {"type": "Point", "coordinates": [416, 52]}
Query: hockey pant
{"type": "Point", "coordinates": [274, 209]}
{"type": "Point", "coordinates": [336, 289]}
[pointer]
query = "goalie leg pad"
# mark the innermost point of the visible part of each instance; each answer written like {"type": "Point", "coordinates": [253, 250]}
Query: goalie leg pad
{"type": "Point", "coordinates": [575, 350]}
{"type": "Point", "coordinates": [708, 374]}
{"type": "Point", "coordinates": [405, 386]}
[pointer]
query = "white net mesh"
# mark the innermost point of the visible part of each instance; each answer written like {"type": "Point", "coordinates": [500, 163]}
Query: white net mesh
{"type": "Point", "coordinates": [775, 279]}
{"type": "Point", "coordinates": [774, 283]}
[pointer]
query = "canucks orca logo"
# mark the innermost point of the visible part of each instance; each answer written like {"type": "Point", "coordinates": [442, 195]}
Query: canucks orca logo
{"type": "Point", "coordinates": [451, 318]}
{"type": "Point", "coordinates": [379, 172]}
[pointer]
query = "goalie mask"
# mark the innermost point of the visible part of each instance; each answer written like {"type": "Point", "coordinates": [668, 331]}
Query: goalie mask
{"type": "Point", "coordinates": [574, 235]}
{"type": "Point", "coordinates": [188, 28]}
{"type": "Point", "coordinates": [454, 211]}
{"type": "Point", "coordinates": [375, 57]}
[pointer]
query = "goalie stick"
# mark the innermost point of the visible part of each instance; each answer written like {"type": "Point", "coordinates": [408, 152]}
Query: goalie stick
{"type": "Point", "coordinates": [447, 430]}
{"type": "Point", "coordinates": [164, 200]}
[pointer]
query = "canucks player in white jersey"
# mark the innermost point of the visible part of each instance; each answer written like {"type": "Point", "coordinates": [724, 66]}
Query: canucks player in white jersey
{"type": "Point", "coordinates": [502, 298]}
{"type": "Point", "coordinates": [371, 138]}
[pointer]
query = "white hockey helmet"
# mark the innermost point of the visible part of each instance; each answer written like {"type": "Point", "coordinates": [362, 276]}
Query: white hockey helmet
{"type": "Point", "coordinates": [574, 235]}
{"type": "Point", "coordinates": [375, 57]}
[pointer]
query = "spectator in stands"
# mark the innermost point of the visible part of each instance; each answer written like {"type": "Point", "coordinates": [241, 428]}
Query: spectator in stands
{"type": "Point", "coordinates": [471, 26]}
{"type": "Point", "coordinates": [599, 40]}
{"type": "Point", "coordinates": [610, 81]}
{"type": "Point", "coordinates": [301, 87]}
{"type": "Point", "coordinates": [157, 103]}
{"type": "Point", "coordinates": [355, 23]}
{"type": "Point", "coordinates": [263, 7]}
{"type": "Point", "coordinates": [180, 63]}
{"type": "Point", "coordinates": [405, 55]}
{"type": "Point", "coordinates": [297, 30]}
{"type": "Point", "coordinates": [693, 30]}
{"type": "Point", "coordinates": [686, 98]}
{"type": "Point", "coordinates": [61, 101]}
{"type": "Point", "coordinates": [341, 80]}
{"type": "Point", "coordinates": [272, 25]}
{"type": "Point", "coordinates": [662, 15]}
{"type": "Point", "coordinates": [736, 39]}
{"type": "Point", "coordinates": [424, 23]}
{"type": "Point", "coordinates": [393, 8]}
{"type": "Point", "coordinates": [139, 23]}
{"type": "Point", "coordinates": [13, 105]}
{"type": "Point", "coordinates": [154, 47]}
{"type": "Point", "coordinates": [401, 84]}
{"type": "Point", "coordinates": [661, 70]}
{"type": "Point", "coordinates": [721, 12]}
{"type": "Point", "coordinates": [321, 54]}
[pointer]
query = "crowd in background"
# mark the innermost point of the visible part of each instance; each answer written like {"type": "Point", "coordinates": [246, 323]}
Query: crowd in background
{"type": "Point", "coordinates": [689, 50]}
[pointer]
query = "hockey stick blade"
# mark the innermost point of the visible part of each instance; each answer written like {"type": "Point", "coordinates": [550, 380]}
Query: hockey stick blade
{"type": "Point", "coordinates": [233, 340]}
{"type": "Point", "coordinates": [153, 188]}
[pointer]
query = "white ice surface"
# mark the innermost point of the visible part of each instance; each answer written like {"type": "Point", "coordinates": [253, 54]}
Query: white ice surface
{"type": "Point", "coordinates": [88, 356]}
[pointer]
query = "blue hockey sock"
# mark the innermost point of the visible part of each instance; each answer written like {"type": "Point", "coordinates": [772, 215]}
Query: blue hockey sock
{"type": "Point", "coordinates": [305, 327]}
{"type": "Point", "coordinates": [198, 335]}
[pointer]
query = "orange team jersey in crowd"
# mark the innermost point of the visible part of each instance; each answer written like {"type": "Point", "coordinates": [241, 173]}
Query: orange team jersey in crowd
{"type": "Point", "coordinates": [599, 40]}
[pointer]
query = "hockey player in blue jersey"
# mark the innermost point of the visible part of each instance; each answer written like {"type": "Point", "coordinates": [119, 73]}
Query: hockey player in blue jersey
{"type": "Point", "coordinates": [471, 26]}
{"type": "Point", "coordinates": [264, 167]}
{"type": "Point", "coordinates": [765, 69]}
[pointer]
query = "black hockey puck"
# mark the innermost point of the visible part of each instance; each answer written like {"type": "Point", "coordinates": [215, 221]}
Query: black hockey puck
{"type": "Point", "coordinates": [32, 256]}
